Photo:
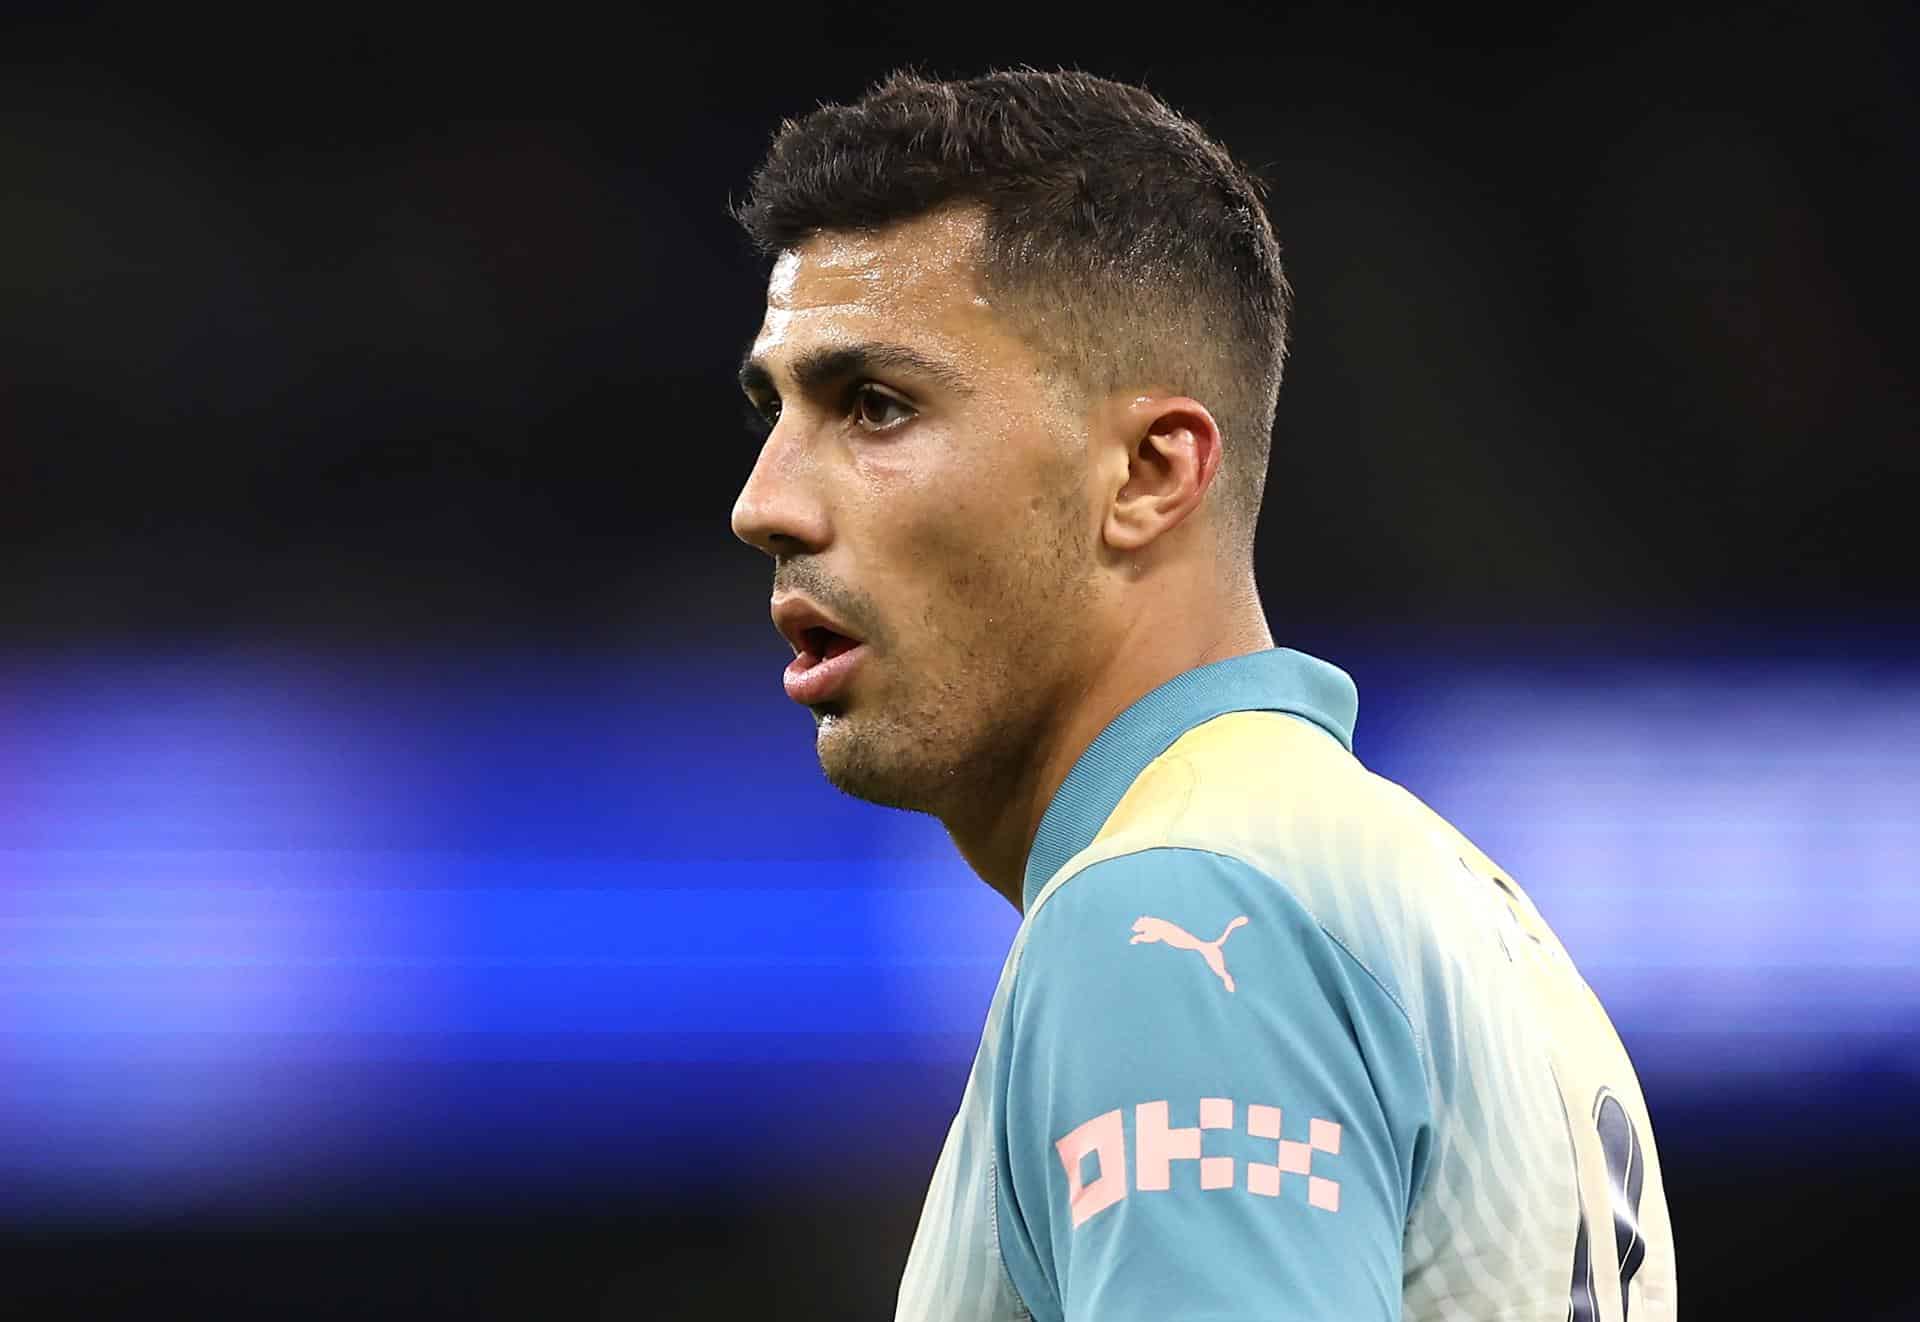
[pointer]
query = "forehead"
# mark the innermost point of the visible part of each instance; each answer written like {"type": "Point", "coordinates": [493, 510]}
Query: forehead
{"type": "Point", "coordinates": [915, 282]}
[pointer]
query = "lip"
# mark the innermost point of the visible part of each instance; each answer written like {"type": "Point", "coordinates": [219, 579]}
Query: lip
{"type": "Point", "coordinates": [794, 615]}
{"type": "Point", "coordinates": [811, 677]}
{"type": "Point", "coordinates": [810, 680]}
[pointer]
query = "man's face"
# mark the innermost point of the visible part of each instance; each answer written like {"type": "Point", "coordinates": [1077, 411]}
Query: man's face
{"type": "Point", "coordinates": [928, 489]}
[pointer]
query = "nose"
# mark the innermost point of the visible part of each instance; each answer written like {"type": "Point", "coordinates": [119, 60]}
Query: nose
{"type": "Point", "coordinates": [780, 510]}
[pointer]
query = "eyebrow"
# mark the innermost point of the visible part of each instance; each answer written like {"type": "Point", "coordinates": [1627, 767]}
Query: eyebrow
{"type": "Point", "coordinates": [817, 369]}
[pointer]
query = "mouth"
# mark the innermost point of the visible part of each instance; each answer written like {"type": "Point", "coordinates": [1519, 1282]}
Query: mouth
{"type": "Point", "coordinates": [823, 644]}
{"type": "Point", "coordinates": [823, 666]}
{"type": "Point", "coordinates": [824, 657]}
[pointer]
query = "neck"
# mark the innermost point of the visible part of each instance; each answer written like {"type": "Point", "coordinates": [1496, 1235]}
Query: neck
{"type": "Point", "coordinates": [995, 831]}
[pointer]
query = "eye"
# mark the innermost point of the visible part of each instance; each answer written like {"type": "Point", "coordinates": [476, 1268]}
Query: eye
{"type": "Point", "coordinates": [876, 410]}
{"type": "Point", "coordinates": [761, 415]}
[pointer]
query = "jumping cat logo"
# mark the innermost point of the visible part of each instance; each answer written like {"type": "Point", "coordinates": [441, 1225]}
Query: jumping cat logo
{"type": "Point", "coordinates": [1146, 929]}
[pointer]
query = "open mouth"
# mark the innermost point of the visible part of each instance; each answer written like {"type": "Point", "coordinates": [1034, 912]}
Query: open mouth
{"type": "Point", "coordinates": [825, 644]}
{"type": "Point", "coordinates": [823, 666]}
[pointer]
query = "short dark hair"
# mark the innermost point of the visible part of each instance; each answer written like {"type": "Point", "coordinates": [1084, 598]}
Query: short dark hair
{"type": "Point", "coordinates": [1133, 250]}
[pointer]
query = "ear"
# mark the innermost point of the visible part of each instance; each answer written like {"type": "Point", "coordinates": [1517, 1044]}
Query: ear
{"type": "Point", "coordinates": [1172, 456]}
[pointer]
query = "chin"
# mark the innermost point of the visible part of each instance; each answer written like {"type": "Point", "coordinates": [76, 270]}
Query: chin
{"type": "Point", "coordinates": [855, 763]}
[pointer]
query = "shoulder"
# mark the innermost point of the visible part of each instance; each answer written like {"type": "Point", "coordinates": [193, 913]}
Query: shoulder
{"type": "Point", "coordinates": [1182, 1038]}
{"type": "Point", "coordinates": [1264, 794]}
{"type": "Point", "coordinates": [1190, 936]}
{"type": "Point", "coordinates": [1179, 895]}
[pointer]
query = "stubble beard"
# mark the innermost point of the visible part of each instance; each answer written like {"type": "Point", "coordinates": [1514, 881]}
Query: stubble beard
{"type": "Point", "coordinates": [939, 746]}
{"type": "Point", "coordinates": [951, 740]}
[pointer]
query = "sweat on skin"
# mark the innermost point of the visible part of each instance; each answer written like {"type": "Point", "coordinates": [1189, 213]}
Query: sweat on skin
{"type": "Point", "coordinates": [1020, 563]}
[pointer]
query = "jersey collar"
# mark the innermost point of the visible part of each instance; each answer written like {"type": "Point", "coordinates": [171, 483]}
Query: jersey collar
{"type": "Point", "coordinates": [1274, 679]}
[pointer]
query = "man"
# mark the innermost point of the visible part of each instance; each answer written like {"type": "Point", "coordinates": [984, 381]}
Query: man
{"type": "Point", "coordinates": [1273, 1040]}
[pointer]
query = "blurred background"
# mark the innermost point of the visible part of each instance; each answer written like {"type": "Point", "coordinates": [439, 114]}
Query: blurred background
{"type": "Point", "coordinates": [417, 897]}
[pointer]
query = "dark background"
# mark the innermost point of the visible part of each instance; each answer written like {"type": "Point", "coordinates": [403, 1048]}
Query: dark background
{"type": "Point", "coordinates": [322, 333]}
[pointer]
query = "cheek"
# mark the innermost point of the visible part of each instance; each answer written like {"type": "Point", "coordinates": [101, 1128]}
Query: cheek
{"type": "Point", "coordinates": [956, 578]}
{"type": "Point", "coordinates": [926, 511]}
{"type": "Point", "coordinates": [925, 470]}
{"type": "Point", "coordinates": [998, 576]}
{"type": "Point", "coordinates": [982, 549]}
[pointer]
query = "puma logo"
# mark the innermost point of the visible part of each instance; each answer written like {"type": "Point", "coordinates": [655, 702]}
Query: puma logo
{"type": "Point", "coordinates": [1159, 929]}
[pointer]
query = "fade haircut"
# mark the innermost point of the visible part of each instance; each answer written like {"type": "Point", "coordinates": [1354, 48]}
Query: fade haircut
{"type": "Point", "coordinates": [1124, 244]}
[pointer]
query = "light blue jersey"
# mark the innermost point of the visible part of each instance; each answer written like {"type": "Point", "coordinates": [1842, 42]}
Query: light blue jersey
{"type": "Point", "coordinates": [1274, 1041]}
